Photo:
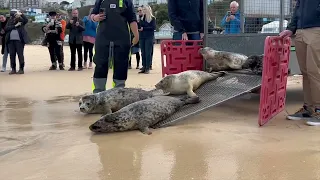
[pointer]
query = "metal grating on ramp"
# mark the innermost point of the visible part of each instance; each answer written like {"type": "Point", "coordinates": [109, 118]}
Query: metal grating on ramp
{"type": "Point", "coordinates": [215, 92]}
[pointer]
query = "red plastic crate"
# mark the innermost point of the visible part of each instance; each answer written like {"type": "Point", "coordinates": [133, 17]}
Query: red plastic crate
{"type": "Point", "coordinates": [274, 78]}
{"type": "Point", "coordinates": [177, 56]}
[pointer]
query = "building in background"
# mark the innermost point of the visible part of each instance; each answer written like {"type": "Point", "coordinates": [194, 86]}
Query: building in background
{"type": "Point", "coordinates": [20, 4]}
{"type": "Point", "coordinates": [40, 18]}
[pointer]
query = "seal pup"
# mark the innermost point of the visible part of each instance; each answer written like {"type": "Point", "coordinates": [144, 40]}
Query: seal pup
{"type": "Point", "coordinates": [222, 60]}
{"type": "Point", "coordinates": [186, 82]}
{"type": "Point", "coordinates": [255, 64]}
{"type": "Point", "coordinates": [112, 100]}
{"type": "Point", "coordinates": [141, 115]}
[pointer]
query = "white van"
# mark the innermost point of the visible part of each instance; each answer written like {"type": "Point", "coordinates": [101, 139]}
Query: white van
{"type": "Point", "coordinates": [273, 27]}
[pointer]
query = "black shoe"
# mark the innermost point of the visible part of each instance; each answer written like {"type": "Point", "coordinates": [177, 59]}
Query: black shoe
{"type": "Point", "coordinates": [150, 67]}
{"type": "Point", "coordinates": [71, 69]}
{"type": "Point", "coordinates": [141, 68]}
{"type": "Point", "coordinates": [21, 71]}
{"type": "Point", "coordinates": [137, 67]}
{"type": "Point", "coordinates": [13, 71]}
{"type": "Point", "coordinates": [146, 72]}
{"type": "Point", "coordinates": [80, 68]}
{"type": "Point", "coordinates": [142, 71]}
{"type": "Point", "coordinates": [129, 67]}
{"type": "Point", "coordinates": [53, 67]}
{"type": "Point", "coordinates": [61, 67]}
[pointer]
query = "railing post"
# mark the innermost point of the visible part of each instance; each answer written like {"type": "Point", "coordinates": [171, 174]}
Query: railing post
{"type": "Point", "coordinates": [242, 18]}
{"type": "Point", "coordinates": [281, 15]}
{"type": "Point", "coordinates": [205, 24]}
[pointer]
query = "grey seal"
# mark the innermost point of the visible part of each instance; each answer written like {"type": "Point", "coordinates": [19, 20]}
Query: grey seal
{"type": "Point", "coordinates": [222, 60]}
{"type": "Point", "coordinates": [255, 64]}
{"type": "Point", "coordinates": [186, 82]}
{"type": "Point", "coordinates": [112, 100]}
{"type": "Point", "coordinates": [141, 115]}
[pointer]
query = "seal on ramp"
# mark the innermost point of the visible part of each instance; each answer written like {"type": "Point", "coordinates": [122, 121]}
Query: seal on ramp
{"type": "Point", "coordinates": [141, 115]}
{"type": "Point", "coordinates": [222, 60]}
{"type": "Point", "coordinates": [186, 82]}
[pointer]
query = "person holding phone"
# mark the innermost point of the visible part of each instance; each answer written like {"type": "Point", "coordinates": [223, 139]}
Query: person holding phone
{"type": "Point", "coordinates": [231, 21]}
{"type": "Point", "coordinates": [76, 27]}
{"type": "Point", "coordinates": [53, 31]}
{"type": "Point", "coordinates": [89, 37]}
{"type": "Point", "coordinates": [16, 38]}
{"type": "Point", "coordinates": [113, 41]}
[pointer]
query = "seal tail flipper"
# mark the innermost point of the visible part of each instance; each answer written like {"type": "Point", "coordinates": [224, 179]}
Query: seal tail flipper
{"type": "Point", "coordinates": [159, 92]}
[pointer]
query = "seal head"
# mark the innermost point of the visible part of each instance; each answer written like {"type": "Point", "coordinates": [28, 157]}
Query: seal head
{"type": "Point", "coordinates": [87, 103]}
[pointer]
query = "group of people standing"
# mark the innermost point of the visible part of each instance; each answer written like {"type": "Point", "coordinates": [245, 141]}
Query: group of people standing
{"type": "Point", "coordinates": [82, 35]}
{"type": "Point", "coordinates": [14, 37]}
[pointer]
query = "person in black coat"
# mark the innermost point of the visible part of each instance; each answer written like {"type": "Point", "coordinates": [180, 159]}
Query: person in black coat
{"type": "Point", "coordinates": [4, 49]}
{"type": "Point", "coordinates": [16, 38]}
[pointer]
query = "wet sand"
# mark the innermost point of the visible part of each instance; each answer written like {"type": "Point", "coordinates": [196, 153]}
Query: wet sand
{"type": "Point", "coordinates": [43, 135]}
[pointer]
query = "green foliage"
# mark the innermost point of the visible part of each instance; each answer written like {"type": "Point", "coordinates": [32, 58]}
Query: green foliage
{"type": "Point", "coordinates": [160, 11]}
{"type": "Point", "coordinates": [34, 30]}
{"type": "Point", "coordinates": [84, 11]}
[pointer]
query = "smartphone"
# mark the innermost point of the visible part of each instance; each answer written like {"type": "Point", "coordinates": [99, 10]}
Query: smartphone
{"type": "Point", "coordinates": [52, 20]}
{"type": "Point", "coordinates": [229, 13]}
{"type": "Point", "coordinates": [75, 19]}
{"type": "Point", "coordinates": [102, 10]}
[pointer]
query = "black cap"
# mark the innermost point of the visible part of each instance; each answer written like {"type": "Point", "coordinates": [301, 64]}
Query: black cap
{"type": "Point", "coordinates": [52, 13]}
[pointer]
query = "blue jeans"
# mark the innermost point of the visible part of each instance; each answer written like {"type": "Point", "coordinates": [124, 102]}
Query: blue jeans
{"type": "Point", "coordinates": [178, 36]}
{"type": "Point", "coordinates": [146, 46]}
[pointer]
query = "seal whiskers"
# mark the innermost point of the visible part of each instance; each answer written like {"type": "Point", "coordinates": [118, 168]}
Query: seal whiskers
{"type": "Point", "coordinates": [141, 115]}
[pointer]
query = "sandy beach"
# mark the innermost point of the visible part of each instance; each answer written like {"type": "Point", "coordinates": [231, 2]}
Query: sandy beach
{"type": "Point", "coordinates": [44, 136]}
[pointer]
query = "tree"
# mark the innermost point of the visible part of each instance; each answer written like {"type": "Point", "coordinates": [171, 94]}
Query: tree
{"type": "Point", "coordinates": [160, 11]}
{"type": "Point", "coordinates": [64, 4]}
{"type": "Point", "coordinates": [82, 2]}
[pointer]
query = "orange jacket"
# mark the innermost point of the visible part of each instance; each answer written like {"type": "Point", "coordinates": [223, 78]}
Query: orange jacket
{"type": "Point", "coordinates": [62, 34]}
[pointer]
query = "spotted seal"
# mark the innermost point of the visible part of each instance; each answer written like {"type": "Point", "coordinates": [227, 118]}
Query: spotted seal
{"type": "Point", "coordinates": [222, 60]}
{"type": "Point", "coordinates": [141, 115]}
{"type": "Point", "coordinates": [112, 100]}
{"type": "Point", "coordinates": [255, 64]}
{"type": "Point", "coordinates": [186, 82]}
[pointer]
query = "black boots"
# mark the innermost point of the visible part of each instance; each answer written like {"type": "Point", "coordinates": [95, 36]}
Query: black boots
{"type": "Point", "coordinates": [13, 71]}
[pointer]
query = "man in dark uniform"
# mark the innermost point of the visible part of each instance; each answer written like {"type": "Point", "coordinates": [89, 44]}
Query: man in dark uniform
{"type": "Point", "coordinates": [113, 41]}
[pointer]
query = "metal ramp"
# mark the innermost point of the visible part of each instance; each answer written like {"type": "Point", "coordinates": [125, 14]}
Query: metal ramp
{"type": "Point", "coordinates": [214, 93]}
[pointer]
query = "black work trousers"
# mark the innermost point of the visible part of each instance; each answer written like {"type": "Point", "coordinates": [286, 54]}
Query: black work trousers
{"type": "Point", "coordinates": [87, 47]}
{"type": "Point", "coordinates": [55, 52]}
{"type": "Point", "coordinates": [16, 47]}
{"type": "Point", "coordinates": [119, 57]}
{"type": "Point", "coordinates": [76, 48]}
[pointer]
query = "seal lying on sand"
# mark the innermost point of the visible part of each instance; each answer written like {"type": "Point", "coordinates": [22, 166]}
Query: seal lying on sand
{"type": "Point", "coordinates": [255, 64]}
{"type": "Point", "coordinates": [112, 100]}
{"type": "Point", "coordinates": [186, 82]}
{"type": "Point", "coordinates": [222, 60]}
{"type": "Point", "coordinates": [141, 115]}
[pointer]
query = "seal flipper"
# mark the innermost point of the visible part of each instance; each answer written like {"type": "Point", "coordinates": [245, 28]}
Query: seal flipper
{"type": "Point", "coordinates": [190, 100]}
{"type": "Point", "coordinates": [190, 90]}
{"type": "Point", "coordinates": [159, 92]}
{"type": "Point", "coordinates": [145, 130]}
